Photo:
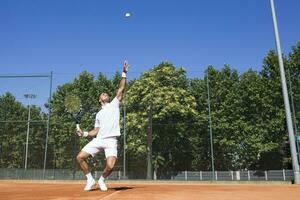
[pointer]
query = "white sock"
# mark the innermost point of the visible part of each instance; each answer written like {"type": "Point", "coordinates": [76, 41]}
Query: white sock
{"type": "Point", "coordinates": [102, 178]}
{"type": "Point", "coordinates": [89, 176]}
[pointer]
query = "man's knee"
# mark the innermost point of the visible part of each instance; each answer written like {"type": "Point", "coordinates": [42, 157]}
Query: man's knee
{"type": "Point", "coordinates": [80, 158]}
{"type": "Point", "coordinates": [109, 167]}
{"type": "Point", "coordinates": [110, 163]}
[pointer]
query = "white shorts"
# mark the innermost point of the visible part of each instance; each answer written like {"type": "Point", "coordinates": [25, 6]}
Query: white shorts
{"type": "Point", "coordinates": [109, 145]}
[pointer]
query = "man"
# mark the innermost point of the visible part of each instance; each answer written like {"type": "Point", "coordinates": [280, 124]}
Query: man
{"type": "Point", "coordinates": [106, 130]}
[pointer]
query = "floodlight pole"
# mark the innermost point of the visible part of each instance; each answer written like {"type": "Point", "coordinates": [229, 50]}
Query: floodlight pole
{"type": "Point", "coordinates": [286, 100]}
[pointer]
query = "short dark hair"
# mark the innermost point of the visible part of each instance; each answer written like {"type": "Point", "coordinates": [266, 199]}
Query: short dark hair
{"type": "Point", "coordinates": [100, 95]}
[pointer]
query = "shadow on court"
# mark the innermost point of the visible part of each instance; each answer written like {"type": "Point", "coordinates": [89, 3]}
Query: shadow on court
{"type": "Point", "coordinates": [121, 188]}
{"type": "Point", "coordinates": [94, 189]}
{"type": "Point", "coordinates": [114, 188]}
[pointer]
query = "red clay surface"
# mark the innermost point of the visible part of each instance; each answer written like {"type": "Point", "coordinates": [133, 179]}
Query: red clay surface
{"type": "Point", "coordinates": [21, 190]}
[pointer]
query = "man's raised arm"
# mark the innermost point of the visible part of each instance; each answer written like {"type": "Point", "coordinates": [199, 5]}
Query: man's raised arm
{"type": "Point", "coordinates": [122, 82]}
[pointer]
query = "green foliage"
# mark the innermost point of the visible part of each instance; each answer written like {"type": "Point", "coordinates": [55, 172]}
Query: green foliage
{"type": "Point", "coordinates": [13, 129]}
{"type": "Point", "coordinates": [247, 110]}
{"type": "Point", "coordinates": [63, 141]}
{"type": "Point", "coordinates": [165, 90]}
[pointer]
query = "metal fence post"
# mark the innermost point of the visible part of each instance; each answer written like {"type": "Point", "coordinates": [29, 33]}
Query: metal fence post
{"type": "Point", "coordinates": [248, 175]}
{"type": "Point", "coordinates": [210, 128]}
{"type": "Point", "coordinates": [238, 175]}
{"type": "Point", "coordinates": [266, 175]}
{"type": "Point", "coordinates": [185, 175]}
{"type": "Point", "coordinates": [48, 124]}
{"type": "Point", "coordinates": [283, 173]}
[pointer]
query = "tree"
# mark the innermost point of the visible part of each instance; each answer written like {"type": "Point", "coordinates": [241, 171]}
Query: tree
{"type": "Point", "coordinates": [274, 113]}
{"type": "Point", "coordinates": [165, 89]}
{"type": "Point", "coordinates": [223, 92]}
{"type": "Point", "coordinates": [294, 67]}
{"type": "Point", "coordinates": [14, 130]}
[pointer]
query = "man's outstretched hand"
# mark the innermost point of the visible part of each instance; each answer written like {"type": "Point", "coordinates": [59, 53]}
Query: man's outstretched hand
{"type": "Point", "coordinates": [125, 66]}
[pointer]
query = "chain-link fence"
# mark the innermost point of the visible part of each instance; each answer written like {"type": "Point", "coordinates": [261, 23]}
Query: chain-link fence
{"type": "Point", "coordinates": [66, 174]}
{"type": "Point", "coordinates": [222, 126]}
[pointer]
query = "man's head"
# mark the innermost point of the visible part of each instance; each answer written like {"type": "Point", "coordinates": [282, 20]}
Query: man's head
{"type": "Point", "coordinates": [103, 98]}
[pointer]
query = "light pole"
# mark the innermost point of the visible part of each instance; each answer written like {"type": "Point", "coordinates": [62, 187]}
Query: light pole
{"type": "Point", "coordinates": [28, 96]}
{"type": "Point", "coordinates": [286, 99]}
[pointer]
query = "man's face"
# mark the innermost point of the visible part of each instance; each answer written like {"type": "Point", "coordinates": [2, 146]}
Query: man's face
{"type": "Point", "coordinates": [104, 98]}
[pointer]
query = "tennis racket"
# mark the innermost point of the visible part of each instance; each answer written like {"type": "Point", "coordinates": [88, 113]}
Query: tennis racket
{"type": "Point", "coordinates": [73, 106]}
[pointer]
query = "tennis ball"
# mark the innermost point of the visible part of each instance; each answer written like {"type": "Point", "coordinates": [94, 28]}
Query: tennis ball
{"type": "Point", "coordinates": [127, 14]}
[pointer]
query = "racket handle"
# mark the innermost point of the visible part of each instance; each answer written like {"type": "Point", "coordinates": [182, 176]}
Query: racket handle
{"type": "Point", "coordinates": [77, 126]}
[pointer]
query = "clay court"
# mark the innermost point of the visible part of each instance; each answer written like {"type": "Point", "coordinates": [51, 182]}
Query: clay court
{"type": "Point", "coordinates": [21, 190]}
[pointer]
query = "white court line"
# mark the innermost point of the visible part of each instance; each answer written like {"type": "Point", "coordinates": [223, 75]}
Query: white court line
{"type": "Point", "coordinates": [110, 195]}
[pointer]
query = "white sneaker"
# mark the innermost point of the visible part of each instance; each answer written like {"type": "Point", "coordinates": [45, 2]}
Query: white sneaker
{"type": "Point", "coordinates": [102, 185]}
{"type": "Point", "coordinates": [89, 185]}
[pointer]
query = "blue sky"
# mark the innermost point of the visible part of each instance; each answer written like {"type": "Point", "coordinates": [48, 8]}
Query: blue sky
{"type": "Point", "coordinates": [69, 36]}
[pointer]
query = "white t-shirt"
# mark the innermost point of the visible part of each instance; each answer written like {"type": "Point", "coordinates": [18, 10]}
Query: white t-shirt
{"type": "Point", "coordinates": [108, 119]}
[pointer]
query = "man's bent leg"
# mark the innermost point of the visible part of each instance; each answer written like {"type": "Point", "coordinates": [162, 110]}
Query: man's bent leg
{"type": "Point", "coordinates": [81, 160]}
{"type": "Point", "coordinates": [110, 163]}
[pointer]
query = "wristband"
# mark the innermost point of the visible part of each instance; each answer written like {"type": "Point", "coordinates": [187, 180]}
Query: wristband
{"type": "Point", "coordinates": [123, 74]}
{"type": "Point", "coordinates": [85, 134]}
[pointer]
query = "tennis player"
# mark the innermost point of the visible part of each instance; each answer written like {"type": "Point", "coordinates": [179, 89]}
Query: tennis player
{"type": "Point", "coordinates": [106, 132]}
